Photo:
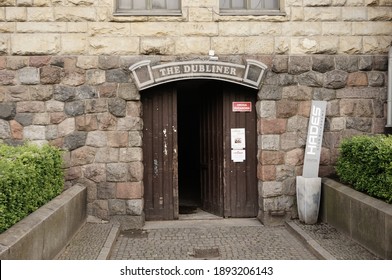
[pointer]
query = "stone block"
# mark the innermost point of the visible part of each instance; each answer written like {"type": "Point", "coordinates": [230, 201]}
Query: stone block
{"type": "Point", "coordinates": [51, 74]}
{"type": "Point", "coordinates": [130, 123]}
{"type": "Point", "coordinates": [96, 106]}
{"type": "Point", "coordinates": [335, 79]}
{"type": "Point", "coordinates": [135, 139]}
{"type": "Point", "coordinates": [272, 126]}
{"type": "Point", "coordinates": [198, 45]}
{"type": "Point", "coordinates": [134, 207]}
{"type": "Point", "coordinates": [117, 172]}
{"type": "Point", "coordinates": [299, 64]}
{"type": "Point", "coordinates": [266, 172]}
{"type": "Point", "coordinates": [112, 45]}
{"type": "Point", "coordinates": [157, 46]}
{"type": "Point", "coordinates": [271, 157]}
{"type": "Point", "coordinates": [350, 45]}
{"type": "Point", "coordinates": [75, 140]}
{"type": "Point", "coordinates": [295, 157]}
{"type": "Point", "coordinates": [41, 119]}
{"type": "Point", "coordinates": [95, 76]}
{"type": "Point", "coordinates": [74, 108]}
{"type": "Point", "coordinates": [29, 76]}
{"type": "Point", "coordinates": [96, 139]}
{"type": "Point", "coordinates": [95, 172]}
{"type": "Point", "coordinates": [73, 44]}
{"type": "Point", "coordinates": [270, 189]}
{"type": "Point", "coordinates": [356, 107]}
{"type": "Point", "coordinates": [117, 139]}
{"type": "Point", "coordinates": [269, 142]}
{"type": "Point", "coordinates": [7, 110]}
{"type": "Point", "coordinates": [106, 121]}
{"type": "Point", "coordinates": [7, 78]}
{"type": "Point", "coordinates": [131, 154]}
{"type": "Point", "coordinates": [107, 155]}
{"type": "Point", "coordinates": [35, 44]}
{"type": "Point", "coordinates": [86, 122]}
{"type": "Point", "coordinates": [286, 108]}
{"type": "Point", "coordinates": [357, 79]}
{"type": "Point", "coordinates": [116, 207]}
{"type": "Point", "coordinates": [376, 79]}
{"type": "Point", "coordinates": [83, 155]}
{"type": "Point", "coordinates": [270, 92]}
{"type": "Point", "coordinates": [34, 132]}
{"type": "Point", "coordinates": [128, 91]}
{"type": "Point", "coordinates": [30, 107]}
{"type": "Point", "coordinates": [266, 109]}
{"type": "Point", "coordinates": [5, 129]}
{"type": "Point", "coordinates": [129, 190]}
{"type": "Point", "coordinates": [117, 107]}
{"type": "Point", "coordinates": [87, 62]}
{"type": "Point", "coordinates": [360, 124]}
{"type": "Point", "coordinates": [16, 130]}
{"type": "Point", "coordinates": [40, 14]}
{"type": "Point", "coordinates": [106, 190]}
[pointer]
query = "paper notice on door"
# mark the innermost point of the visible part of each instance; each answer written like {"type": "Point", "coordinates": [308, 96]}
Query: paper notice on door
{"type": "Point", "coordinates": [238, 155]}
{"type": "Point", "coordinates": [238, 138]}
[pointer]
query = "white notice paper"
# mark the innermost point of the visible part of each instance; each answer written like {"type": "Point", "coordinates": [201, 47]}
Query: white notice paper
{"type": "Point", "coordinates": [238, 138]}
{"type": "Point", "coordinates": [238, 155]}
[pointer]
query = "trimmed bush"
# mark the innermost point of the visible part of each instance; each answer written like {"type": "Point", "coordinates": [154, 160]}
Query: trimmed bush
{"type": "Point", "coordinates": [30, 176]}
{"type": "Point", "coordinates": [365, 162]}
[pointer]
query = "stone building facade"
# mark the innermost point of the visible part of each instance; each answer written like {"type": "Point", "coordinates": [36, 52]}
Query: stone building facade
{"type": "Point", "coordinates": [65, 80]}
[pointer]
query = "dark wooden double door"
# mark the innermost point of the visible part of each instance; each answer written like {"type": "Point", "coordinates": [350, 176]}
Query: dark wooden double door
{"type": "Point", "coordinates": [187, 150]}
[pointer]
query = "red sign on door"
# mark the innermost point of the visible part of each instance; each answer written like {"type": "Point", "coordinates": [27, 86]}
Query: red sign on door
{"type": "Point", "coordinates": [242, 106]}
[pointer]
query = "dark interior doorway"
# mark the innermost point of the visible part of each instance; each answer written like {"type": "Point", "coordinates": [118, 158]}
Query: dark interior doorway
{"type": "Point", "coordinates": [188, 121]}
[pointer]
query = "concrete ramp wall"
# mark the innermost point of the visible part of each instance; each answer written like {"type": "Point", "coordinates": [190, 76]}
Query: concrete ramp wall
{"type": "Point", "coordinates": [365, 219]}
{"type": "Point", "coordinates": [44, 233]}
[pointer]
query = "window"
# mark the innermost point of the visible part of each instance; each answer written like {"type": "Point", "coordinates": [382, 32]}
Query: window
{"type": "Point", "coordinates": [249, 6]}
{"type": "Point", "coordinates": [148, 7]}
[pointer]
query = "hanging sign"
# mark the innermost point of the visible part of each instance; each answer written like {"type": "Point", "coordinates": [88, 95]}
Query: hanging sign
{"type": "Point", "coordinates": [242, 106]}
{"type": "Point", "coordinates": [314, 139]}
{"type": "Point", "coordinates": [147, 74]}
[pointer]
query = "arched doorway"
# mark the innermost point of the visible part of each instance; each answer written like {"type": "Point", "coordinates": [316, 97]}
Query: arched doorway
{"type": "Point", "coordinates": [188, 151]}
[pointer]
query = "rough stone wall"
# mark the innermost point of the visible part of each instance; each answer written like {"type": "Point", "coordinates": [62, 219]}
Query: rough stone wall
{"type": "Point", "coordinates": [88, 27]}
{"type": "Point", "coordinates": [355, 89]}
{"type": "Point", "coordinates": [64, 79]}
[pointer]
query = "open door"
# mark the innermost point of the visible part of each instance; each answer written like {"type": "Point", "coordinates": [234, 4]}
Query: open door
{"type": "Point", "coordinates": [240, 178]}
{"type": "Point", "coordinates": [187, 150]}
{"type": "Point", "coordinates": [160, 153]}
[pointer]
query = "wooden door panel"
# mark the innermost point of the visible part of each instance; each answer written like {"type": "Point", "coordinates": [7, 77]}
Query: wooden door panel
{"type": "Point", "coordinates": [160, 153]}
{"type": "Point", "coordinates": [211, 151]}
{"type": "Point", "coordinates": [240, 178]}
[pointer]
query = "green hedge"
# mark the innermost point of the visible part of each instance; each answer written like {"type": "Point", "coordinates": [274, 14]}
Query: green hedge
{"type": "Point", "coordinates": [30, 176]}
{"type": "Point", "coordinates": [365, 162]}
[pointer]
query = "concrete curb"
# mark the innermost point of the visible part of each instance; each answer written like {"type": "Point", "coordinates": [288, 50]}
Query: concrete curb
{"type": "Point", "coordinates": [106, 250]}
{"type": "Point", "coordinates": [309, 242]}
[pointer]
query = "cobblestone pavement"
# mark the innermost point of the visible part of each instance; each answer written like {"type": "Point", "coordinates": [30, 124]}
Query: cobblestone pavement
{"type": "Point", "coordinates": [336, 243]}
{"type": "Point", "coordinates": [212, 241]}
{"type": "Point", "coordinates": [87, 243]}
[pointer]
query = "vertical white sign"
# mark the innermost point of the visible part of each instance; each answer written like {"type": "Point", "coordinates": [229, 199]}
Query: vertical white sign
{"type": "Point", "coordinates": [238, 144]}
{"type": "Point", "coordinates": [314, 139]}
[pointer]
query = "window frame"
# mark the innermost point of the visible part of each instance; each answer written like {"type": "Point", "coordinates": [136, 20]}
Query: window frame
{"type": "Point", "coordinates": [147, 12]}
{"type": "Point", "coordinates": [253, 12]}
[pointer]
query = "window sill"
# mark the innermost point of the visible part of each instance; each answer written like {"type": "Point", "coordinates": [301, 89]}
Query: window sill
{"type": "Point", "coordinates": [147, 13]}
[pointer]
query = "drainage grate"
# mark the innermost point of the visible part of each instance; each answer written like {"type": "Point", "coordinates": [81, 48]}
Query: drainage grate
{"type": "Point", "coordinates": [206, 253]}
{"type": "Point", "coordinates": [134, 233]}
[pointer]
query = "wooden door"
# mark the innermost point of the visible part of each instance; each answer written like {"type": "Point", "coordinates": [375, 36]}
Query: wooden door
{"type": "Point", "coordinates": [240, 178]}
{"type": "Point", "coordinates": [211, 149]}
{"type": "Point", "coordinates": [160, 153]}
